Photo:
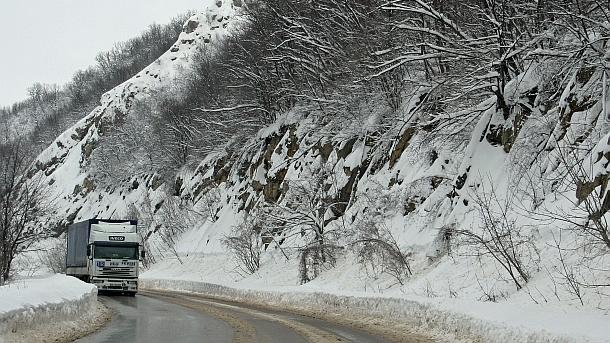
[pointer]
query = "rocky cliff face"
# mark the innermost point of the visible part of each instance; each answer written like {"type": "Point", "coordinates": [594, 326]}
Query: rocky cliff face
{"type": "Point", "coordinates": [534, 166]}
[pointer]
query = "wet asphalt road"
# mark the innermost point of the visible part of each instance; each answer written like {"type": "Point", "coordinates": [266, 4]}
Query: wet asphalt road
{"type": "Point", "coordinates": [146, 319]}
{"type": "Point", "coordinates": [155, 317]}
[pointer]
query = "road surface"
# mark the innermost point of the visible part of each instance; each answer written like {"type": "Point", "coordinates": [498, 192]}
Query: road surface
{"type": "Point", "coordinates": [153, 317]}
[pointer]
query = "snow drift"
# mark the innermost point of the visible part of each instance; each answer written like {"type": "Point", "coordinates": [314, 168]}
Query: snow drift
{"type": "Point", "coordinates": [487, 322]}
{"type": "Point", "coordinates": [32, 303]}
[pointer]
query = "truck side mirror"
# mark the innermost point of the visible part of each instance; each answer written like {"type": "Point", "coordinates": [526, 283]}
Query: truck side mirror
{"type": "Point", "coordinates": [143, 253]}
{"type": "Point", "coordinates": [88, 250]}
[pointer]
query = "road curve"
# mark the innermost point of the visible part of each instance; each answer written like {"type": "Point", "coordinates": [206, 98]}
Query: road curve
{"type": "Point", "coordinates": [175, 317]}
{"type": "Point", "coordinates": [146, 319]}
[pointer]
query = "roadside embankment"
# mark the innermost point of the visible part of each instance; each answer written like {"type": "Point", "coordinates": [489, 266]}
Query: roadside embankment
{"type": "Point", "coordinates": [446, 319]}
{"type": "Point", "coordinates": [56, 308]}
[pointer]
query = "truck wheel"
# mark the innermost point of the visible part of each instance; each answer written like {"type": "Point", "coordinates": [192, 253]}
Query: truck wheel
{"type": "Point", "coordinates": [131, 294]}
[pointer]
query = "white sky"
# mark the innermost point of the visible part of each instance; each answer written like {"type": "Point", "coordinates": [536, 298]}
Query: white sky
{"type": "Point", "coordinates": [48, 40]}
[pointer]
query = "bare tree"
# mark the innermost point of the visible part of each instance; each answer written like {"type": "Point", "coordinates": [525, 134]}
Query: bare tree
{"type": "Point", "coordinates": [580, 210]}
{"type": "Point", "coordinates": [135, 148]}
{"type": "Point", "coordinates": [569, 273]}
{"type": "Point", "coordinates": [307, 208]}
{"type": "Point", "coordinates": [499, 238]}
{"type": "Point", "coordinates": [580, 179]}
{"type": "Point", "coordinates": [175, 218]}
{"type": "Point", "coordinates": [22, 203]}
{"type": "Point", "coordinates": [54, 257]}
{"type": "Point", "coordinates": [592, 197]}
{"type": "Point", "coordinates": [161, 224]}
{"type": "Point", "coordinates": [145, 229]}
{"type": "Point", "coordinates": [246, 245]}
{"type": "Point", "coordinates": [210, 202]}
{"type": "Point", "coordinates": [378, 251]}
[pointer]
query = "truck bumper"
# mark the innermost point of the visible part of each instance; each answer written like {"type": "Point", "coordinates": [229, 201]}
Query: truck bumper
{"type": "Point", "coordinates": [119, 285]}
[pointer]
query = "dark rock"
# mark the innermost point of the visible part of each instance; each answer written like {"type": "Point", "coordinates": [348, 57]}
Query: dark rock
{"type": "Point", "coordinates": [401, 145]}
{"type": "Point", "coordinates": [158, 206]}
{"type": "Point", "coordinates": [191, 26]}
{"type": "Point", "coordinates": [178, 186]}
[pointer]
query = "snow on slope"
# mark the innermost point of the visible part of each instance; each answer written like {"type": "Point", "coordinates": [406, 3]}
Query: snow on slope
{"type": "Point", "coordinates": [417, 186]}
{"type": "Point", "coordinates": [63, 164]}
{"type": "Point", "coordinates": [32, 303]}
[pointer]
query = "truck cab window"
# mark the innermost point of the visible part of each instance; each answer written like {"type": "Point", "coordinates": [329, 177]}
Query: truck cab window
{"type": "Point", "coordinates": [118, 252]}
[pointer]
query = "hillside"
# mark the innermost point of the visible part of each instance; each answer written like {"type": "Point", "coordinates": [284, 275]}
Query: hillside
{"type": "Point", "coordinates": [66, 159]}
{"type": "Point", "coordinates": [391, 149]}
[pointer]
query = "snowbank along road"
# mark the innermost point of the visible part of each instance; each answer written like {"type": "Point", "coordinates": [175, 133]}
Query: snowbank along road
{"type": "Point", "coordinates": [173, 317]}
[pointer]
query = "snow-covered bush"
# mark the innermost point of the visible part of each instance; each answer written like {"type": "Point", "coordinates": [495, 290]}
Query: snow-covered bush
{"type": "Point", "coordinates": [379, 253]}
{"type": "Point", "coordinates": [53, 257]}
{"type": "Point", "coordinates": [499, 237]}
{"type": "Point", "coordinates": [245, 245]}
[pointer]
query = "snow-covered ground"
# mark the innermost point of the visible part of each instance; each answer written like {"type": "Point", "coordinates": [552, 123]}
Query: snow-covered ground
{"type": "Point", "coordinates": [343, 291]}
{"type": "Point", "coordinates": [46, 308]}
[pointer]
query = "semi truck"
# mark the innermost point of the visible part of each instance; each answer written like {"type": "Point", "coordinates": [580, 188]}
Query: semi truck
{"type": "Point", "coordinates": [106, 253]}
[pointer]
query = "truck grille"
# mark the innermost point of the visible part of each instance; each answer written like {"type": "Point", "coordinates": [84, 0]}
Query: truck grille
{"type": "Point", "coordinates": [114, 287]}
{"type": "Point", "coordinates": [117, 271]}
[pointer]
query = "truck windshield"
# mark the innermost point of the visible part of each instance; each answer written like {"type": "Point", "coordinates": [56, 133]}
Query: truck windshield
{"type": "Point", "coordinates": [122, 252]}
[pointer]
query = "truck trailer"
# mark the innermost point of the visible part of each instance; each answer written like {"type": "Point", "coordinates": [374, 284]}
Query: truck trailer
{"type": "Point", "coordinates": [105, 252]}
